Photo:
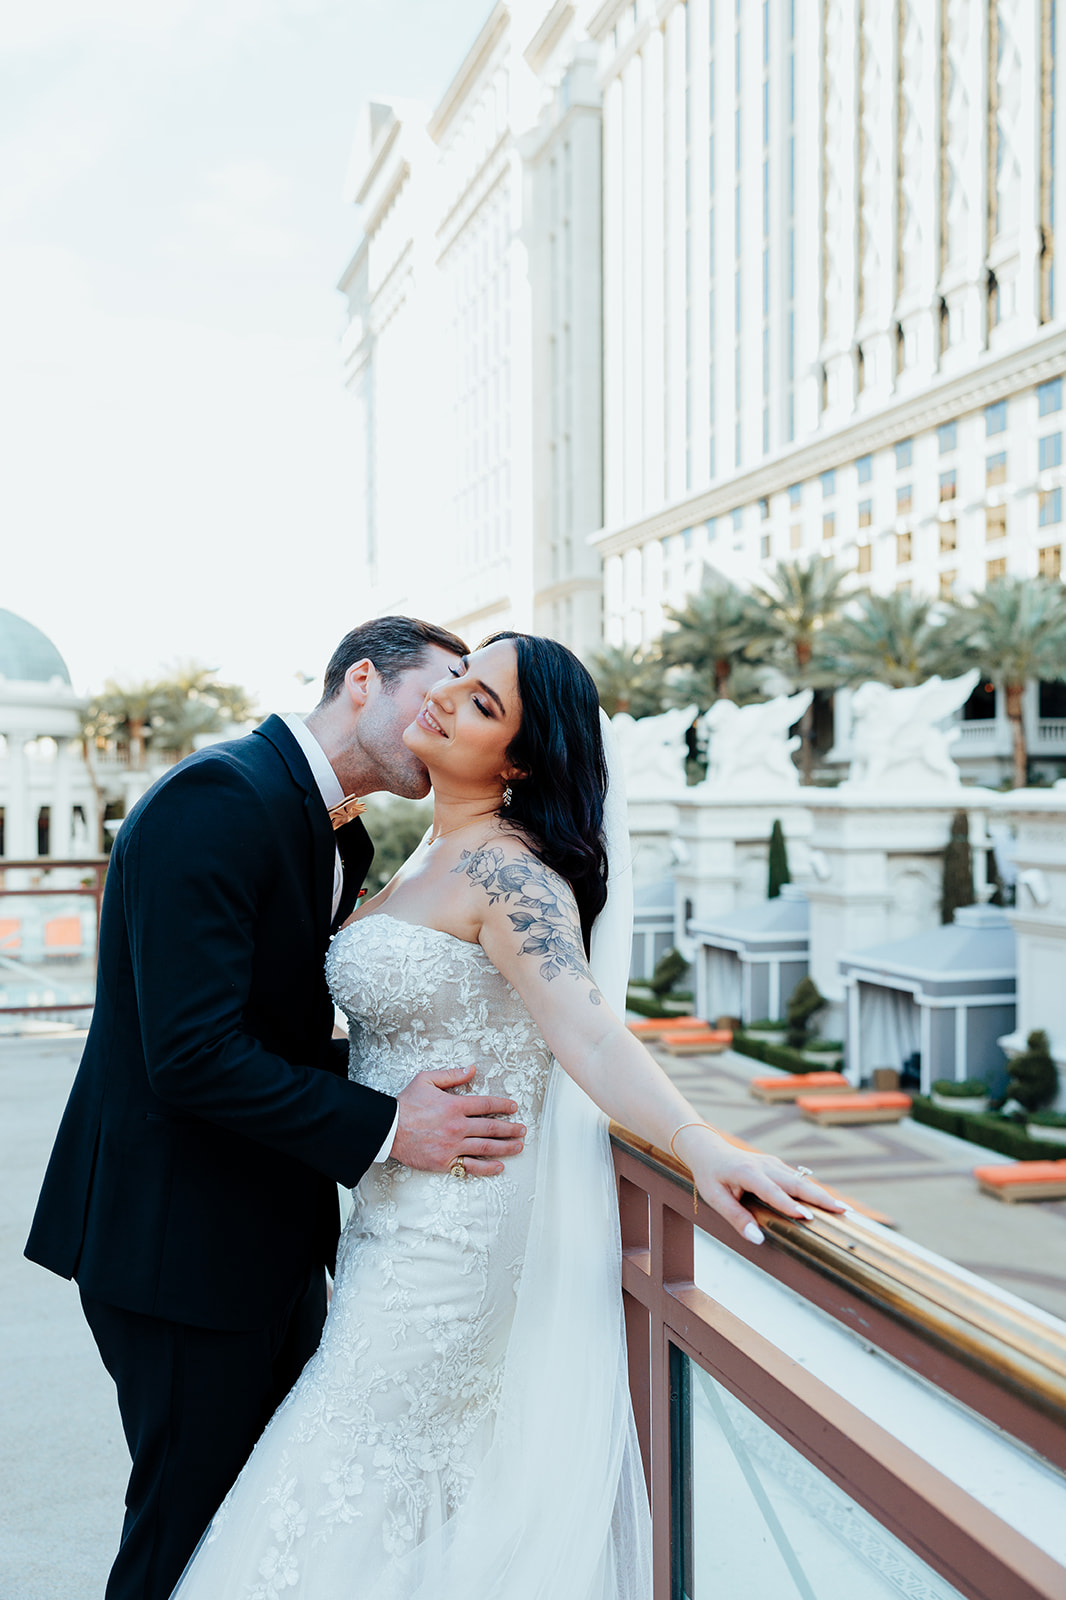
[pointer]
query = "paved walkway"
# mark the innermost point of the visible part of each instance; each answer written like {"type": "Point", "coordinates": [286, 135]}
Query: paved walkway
{"type": "Point", "coordinates": [63, 1460]}
{"type": "Point", "coordinates": [919, 1177]}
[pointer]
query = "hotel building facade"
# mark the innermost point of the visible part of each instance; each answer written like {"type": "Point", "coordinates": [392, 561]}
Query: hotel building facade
{"type": "Point", "coordinates": [473, 347]}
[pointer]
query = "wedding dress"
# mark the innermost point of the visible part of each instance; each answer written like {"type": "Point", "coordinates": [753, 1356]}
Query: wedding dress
{"type": "Point", "coordinates": [464, 1428]}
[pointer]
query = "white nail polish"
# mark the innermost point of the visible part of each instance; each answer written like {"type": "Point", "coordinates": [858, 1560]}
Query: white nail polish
{"type": "Point", "coordinates": [754, 1233]}
{"type": "Point", "coordinates": [809, 1215]}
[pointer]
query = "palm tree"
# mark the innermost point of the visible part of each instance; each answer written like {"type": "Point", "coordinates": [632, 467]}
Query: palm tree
{"type": "Point", "coordinates": [190, 701]}
{"type": "Point", "coordinates": [708, 641]}
{"type": "Point", "coordinates": [890, 638]}
{"type": "Point", "coordinates": [1014, 630]}
{"type": "Point", "coordinates": [787, 618]}
{"type": "Point", "coordinates": [628, 680]}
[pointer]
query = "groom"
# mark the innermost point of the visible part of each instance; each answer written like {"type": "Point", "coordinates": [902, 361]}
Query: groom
{"type": "Point", "coordinates": [192, 1188]}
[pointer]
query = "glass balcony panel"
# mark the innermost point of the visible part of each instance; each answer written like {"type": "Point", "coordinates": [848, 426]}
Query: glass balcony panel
{"type": "Point", "coordinates": [766, 1522]}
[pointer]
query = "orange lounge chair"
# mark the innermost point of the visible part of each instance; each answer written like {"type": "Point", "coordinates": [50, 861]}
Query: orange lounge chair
{"type": "Point", "coordinates": [863, 1106]}
{"type": "Point", "coordinates": [1023, 1180]}
{"type": "Point", "coordinates": [660, 1027]}
{"type": "Point", "coordinates": [711, 1041]}
{"type": "Point", "coordinates": [62, 936]}
{"type": "Point", "coordinates": [10, 936]}
{"type": "Point", "coordinates": [791, 1086]}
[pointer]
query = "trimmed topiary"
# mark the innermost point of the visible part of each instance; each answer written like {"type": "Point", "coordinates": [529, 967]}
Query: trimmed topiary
{"type": "Point", "coordinates": [668, 969]}
{"type": "Point", "coordinates": [778, 863]}
{"type": "Point", "coordinates": [964, 1089]}
{"type": "Point", "coordinates": [1034, 1077]}
{"type": "Point", "coordinates": [957, 887]}
{"type": "Point", "coordinates": [806, 1001]}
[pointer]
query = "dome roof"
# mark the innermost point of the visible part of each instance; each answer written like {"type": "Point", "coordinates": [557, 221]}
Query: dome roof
{"type": "Point", "coordinates": [26, 654]}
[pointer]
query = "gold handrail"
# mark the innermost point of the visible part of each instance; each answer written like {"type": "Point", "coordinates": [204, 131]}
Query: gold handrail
{"type": "Point", "coordinates": [947, 1309]}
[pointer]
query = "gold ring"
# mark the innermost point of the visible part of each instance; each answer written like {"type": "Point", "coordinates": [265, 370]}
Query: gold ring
{"type": "Point", "coordinates": [457, 1168]}
{"type": "Point", "coordinates": [805, 1172]}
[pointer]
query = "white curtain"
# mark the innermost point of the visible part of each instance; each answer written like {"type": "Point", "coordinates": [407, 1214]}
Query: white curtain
{"type": "Point", "coordinates": [723, 983]}
{"type": "Point", "coordinates": [889, 1027]}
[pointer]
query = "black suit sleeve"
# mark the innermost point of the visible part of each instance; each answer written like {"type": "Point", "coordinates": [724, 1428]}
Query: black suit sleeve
{"type": "Point", "coordinates": [196, 869]}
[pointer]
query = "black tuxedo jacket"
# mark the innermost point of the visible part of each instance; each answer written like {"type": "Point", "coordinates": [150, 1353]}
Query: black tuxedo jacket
{"type": "Point", "coordinates": [194, 1174]}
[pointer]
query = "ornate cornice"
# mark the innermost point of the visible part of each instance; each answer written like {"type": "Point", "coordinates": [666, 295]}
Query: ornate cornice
{"type": "Point", "coordinates": [994, 380]}
{"type": "Point", "coordinates": [464, 80]}
{"type": "Point", "coordinates": [539, 49]}
{"type": "Point", "coordinates": [377, 158]}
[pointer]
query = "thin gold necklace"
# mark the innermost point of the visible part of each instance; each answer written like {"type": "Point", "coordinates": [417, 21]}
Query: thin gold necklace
{"type": "Point", "coordinates": [457, 829]}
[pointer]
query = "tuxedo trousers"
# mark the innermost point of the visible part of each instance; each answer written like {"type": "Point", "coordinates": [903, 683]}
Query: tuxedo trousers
{"type": "Point", "coordinates": [193, 1402]}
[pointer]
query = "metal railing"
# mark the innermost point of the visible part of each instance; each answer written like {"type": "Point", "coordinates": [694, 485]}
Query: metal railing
{"type": "Point", "coordinates": [977, 1353]}
{"type": "Point", "coordinates": [34, 976]}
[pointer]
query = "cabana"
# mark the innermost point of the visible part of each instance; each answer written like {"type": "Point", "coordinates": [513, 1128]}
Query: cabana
{"type": "Point", "coordinates": [945, 995]}
{"type": "Point", "coordinates": [749, 962]}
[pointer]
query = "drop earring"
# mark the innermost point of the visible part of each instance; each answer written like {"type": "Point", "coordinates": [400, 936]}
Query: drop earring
{"type": "Point", "coordinates": [506, 797]}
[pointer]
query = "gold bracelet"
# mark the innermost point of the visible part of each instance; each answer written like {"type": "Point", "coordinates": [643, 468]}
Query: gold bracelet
{"type": "Point", "coordinates": [673, 1152]}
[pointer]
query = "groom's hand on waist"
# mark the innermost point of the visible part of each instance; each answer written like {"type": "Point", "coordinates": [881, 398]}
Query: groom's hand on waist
{"type": "Point", "coordinates": [436, 1126]}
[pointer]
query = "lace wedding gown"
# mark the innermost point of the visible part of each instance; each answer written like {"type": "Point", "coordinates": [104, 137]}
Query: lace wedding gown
{"type": "Point", "coordinates": [464, 1428]}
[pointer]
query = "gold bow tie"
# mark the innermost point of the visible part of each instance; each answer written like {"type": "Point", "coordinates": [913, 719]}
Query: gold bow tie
{"type": "Point", "coordinates": [349, 808]}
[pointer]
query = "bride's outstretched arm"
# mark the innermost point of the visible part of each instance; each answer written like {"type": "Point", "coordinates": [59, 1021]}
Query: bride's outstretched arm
{"type": "Point", "coordinates": [531, 931]}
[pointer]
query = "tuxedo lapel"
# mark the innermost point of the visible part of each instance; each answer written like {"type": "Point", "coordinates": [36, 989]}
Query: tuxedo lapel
{"type": "Point", "coordinates": [273, 729]}
{"type": "Point", "coordinates": [357, 853]}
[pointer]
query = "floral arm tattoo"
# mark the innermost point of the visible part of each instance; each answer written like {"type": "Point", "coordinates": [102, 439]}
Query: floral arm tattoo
{"type": "Point", "coordinates": [543, 909]}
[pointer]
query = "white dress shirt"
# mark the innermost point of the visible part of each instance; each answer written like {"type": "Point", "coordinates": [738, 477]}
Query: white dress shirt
{"type": "Point", "coordinates": [329, 787]}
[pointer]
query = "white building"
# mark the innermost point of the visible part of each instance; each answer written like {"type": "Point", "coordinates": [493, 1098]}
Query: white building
{"type": "Point", "coordinates": [47, 799]}
{"type": "Point", "coordinates": [473, 344]}
{"type": "Point", "coordinates": [834, 293]}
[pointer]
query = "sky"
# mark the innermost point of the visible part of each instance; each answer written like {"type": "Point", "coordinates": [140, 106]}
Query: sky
{"type": "Point", "coordinates": [174, 436]}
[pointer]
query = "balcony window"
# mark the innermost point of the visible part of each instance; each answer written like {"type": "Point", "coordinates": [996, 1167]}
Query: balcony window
{"type": "Point", "coordinates": [945, 438]}
{"type": "Point", "coordinates": [995, 522]}
{"type": "Point", "coordinates": [904, 548]}
{"type": "Point", "coordinates": [764, 509]}
{"type": "Point", "coordinates": [764, 546]}
{"type": "Point", "coordinates": [829, 484]}
{"type": "Point", "coordinates": [1049, 397]}
{"type": "Point", "coordinates": [996, 469]}
{"type": "Point", "coordinates": [947, 485]}
{"type": "Point", "coordinates": [1049, 562]}
{"type": "Point", "coordinates": [795, 537]}
{"type": "Point", "coordinates": [865, 467]}
{"type": "Point", "coordinates": [795, 494]}
{"type": "Point", "coordinates": [829, 525]}
{"type": "Point", "coordinates": [738, 519]}
{"type": "Point", "coordinates": [904, 453]}
{"type": "Point", "coordinates": [947, 583]}
{"type": "Point", "coordinates": [1050, 507]}
{"type": "Point", "coordinates": [981, 706]}
{"type": "Point", "coordinates": [948, 537]}
{"type": "Point", "coordinates": [904, 500]}
{"type": "Point", "coordinates": [1051, 451]}
{"type": "Point", "coordinates": [996, 418]}
{"type": "Point", "coordinates": [1051, 700]}
{"type": "Point", "coordinates": [865, 553]}
{"type": "Point", "coordinates": [866, 513]}
{"type": "Point", "coordinates": [995, 569]}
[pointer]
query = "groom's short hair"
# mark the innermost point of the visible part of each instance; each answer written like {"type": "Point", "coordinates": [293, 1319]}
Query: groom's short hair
{"type": "Point", "coordinates": [393, 644]}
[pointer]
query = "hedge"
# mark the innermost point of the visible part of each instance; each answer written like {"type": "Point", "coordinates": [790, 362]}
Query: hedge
{"type": "Point", "coordinates": [995, 1133]}
{"type": "Point", "coordinates": [774, 1055]}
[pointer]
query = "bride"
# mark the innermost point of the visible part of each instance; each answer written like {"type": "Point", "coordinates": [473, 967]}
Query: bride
{"type": "Point", "coordinates": [464, 1428]}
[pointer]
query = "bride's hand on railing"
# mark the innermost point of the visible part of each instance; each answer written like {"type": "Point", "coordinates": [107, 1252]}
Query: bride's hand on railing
{"type": "Point", "coordinates": [723, 1174]}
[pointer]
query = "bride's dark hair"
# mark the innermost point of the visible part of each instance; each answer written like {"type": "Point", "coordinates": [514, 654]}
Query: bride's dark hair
{"type": "Point", "coordinates": [559, 805]}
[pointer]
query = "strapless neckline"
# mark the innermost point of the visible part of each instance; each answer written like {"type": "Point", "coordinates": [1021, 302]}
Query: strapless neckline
{"type": "Point", "coordinates": [421, 927]}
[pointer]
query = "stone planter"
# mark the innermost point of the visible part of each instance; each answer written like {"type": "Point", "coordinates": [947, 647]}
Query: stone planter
{"type": "Point", "coordinates": [974, 1104]}
{"type": "Point", "coordinates": [1050, 1135]}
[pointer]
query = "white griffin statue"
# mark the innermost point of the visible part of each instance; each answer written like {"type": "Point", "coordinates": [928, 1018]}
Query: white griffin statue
{"type": "Point", "coordinates": [749, 747]}
{"type": "Point", "coordinates": [897, 740]}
